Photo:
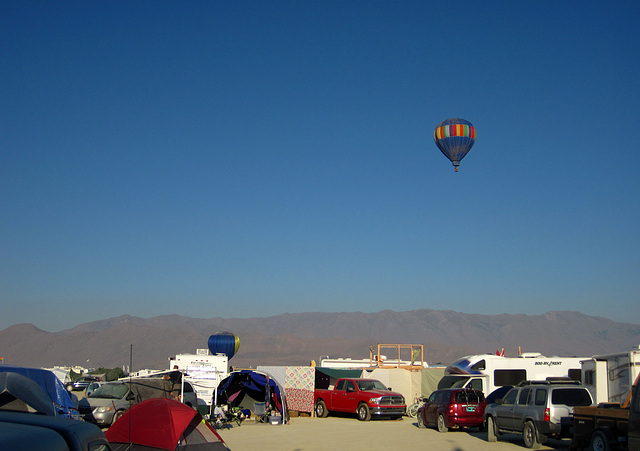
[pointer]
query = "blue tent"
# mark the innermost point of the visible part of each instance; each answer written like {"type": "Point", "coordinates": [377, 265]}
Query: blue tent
{"type": "Point", "coordinates": [242, 388]}
{"type": "Point", "coordinates": [59, 395]}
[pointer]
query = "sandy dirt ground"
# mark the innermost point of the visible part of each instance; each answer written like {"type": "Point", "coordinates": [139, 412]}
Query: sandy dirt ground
{"type": "Point", "coordinates": [313, 434]}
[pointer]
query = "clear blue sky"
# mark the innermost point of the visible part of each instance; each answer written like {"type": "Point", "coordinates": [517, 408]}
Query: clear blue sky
{"type": "Point", "coordinates": [251, 158]}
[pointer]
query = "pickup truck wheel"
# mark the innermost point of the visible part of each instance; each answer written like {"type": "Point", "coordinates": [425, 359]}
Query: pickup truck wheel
{"type": "Point", "coordinates": [441, 426]}
{"type": "Point", "coordinates": [530, 435]}
{"type": "Point", "coordinates": [321, 409]}
{"type": "Point", "coordinates": [363, 412]}
{"type": "Point", "coordinates": [492, 436]}
{"type": "Point", "coordinates": [599, 442]}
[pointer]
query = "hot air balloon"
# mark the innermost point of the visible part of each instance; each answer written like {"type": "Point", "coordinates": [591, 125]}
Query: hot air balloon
{"type": "Point", "coordinates": [455, 137]}
{"type": "Point", "coordinates": [224, 343]}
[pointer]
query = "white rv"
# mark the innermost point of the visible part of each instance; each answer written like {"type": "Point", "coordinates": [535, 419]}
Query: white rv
{"type": "Point", "coordinates": [203, 371]}
{"type": "Point", "coordinates": [487, 372]}
{"type": "Point", "coordinates": [609, 376]}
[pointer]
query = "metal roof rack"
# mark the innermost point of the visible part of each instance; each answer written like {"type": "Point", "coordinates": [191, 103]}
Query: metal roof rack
{"type": "Point", "coordinates": [551, 381]}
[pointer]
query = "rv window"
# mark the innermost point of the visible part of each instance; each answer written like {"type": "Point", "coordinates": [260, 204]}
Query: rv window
{"type": "Point", "coordinates": [481, 365]}
{"type": "Point", "coordinates": [575, 374]}
{"type": "Point", "coordinates": [476, 384]}
{"type": "Point", "coordinates": [509, 377]}
{"type": "Point", "coordinates": [590, 377]}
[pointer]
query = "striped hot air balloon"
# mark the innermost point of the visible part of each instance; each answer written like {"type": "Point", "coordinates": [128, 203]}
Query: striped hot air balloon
{"type": "Point", "coordinates": [455, 137]}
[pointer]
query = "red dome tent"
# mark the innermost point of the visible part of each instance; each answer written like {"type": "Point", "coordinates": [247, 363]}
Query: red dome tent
{"type": "Point", "coordinates": [163, 424]}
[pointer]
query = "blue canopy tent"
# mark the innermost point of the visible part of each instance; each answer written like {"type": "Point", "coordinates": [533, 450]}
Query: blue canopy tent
{"type": "Point", "coordinates": [243, 388]}
{"type": "Point", "coordinates": [64, 405]}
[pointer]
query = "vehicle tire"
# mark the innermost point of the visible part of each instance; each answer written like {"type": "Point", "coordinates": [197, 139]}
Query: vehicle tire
{"type": "Point", "coordinates": [530, 435]}
{"type": "Point", "coordinates": [363, 412]}
{"type": "Point", "coordinates": [321, 409]}
{"type": "Point", "coordinates": [442, 427]}
{"type": "Point", "coordinates": [492, 435]}
{"type": "Point", "coordinates": [117, 416]}
{"type": "Point", "coordinates": [599, 442]}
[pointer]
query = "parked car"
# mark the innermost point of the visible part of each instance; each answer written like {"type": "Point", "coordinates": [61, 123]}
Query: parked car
{"type": "Point", "coordinates": [31, 432]}
{"type": "Point", "coordinates": [93, 386]}
{"type": "Point", "coordinates": [110, 401]}
{"type": "Point", "coordinates": [498, 393]}
{"type": "Point", "coordinates": [453, 407]}
{"type": "Point", "coordinates": [537, 410]}
{"type": "Point", "coordinates": [81, 383]}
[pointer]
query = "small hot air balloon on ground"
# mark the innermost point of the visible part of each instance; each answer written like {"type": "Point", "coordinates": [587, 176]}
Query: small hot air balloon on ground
{"type": "Point", "coordinates": [455, 137]}
{"type": "Point", "coordinates": [224, 343]}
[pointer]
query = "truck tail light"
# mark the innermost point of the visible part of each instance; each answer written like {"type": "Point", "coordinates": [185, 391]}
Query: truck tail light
{"type": "Point", "coordinates": [547, 414]}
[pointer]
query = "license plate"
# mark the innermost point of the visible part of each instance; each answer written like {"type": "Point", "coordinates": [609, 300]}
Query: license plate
{"type": "Point", "coordinates": [471, 408]}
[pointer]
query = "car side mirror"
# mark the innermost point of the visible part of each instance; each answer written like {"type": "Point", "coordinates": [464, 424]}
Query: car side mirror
{"type": "Point", "coordinates": [390, 389]}
{"type": "Point", "coordinates": [130, 397]}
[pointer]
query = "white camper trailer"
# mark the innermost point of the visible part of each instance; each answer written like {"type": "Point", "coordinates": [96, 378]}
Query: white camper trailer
{"type": "Point", "coordinates": [609, 376]}
{"type": "Point", "coordinates": [203, 371]}
{"type": "Point", "coordinates": [486, 372]}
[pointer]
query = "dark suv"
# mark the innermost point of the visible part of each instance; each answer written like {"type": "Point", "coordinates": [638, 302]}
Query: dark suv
{"type": "Point", "coordinates": [537, 410]}
{"type": "Point", "coordinates": [453, 407]}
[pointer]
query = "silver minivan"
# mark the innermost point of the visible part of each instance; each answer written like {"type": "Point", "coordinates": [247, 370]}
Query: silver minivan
{"type": "Point", "coordinates": [111, 400]}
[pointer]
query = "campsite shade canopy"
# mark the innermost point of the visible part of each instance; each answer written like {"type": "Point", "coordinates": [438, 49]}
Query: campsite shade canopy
{"type": "Point", "coordinates": [257, 385]}
{"type": "Point", "coordinates": [19, 393]}
{"type": "Point", "coordinates": [162, 423]}
{"type": "Point", "coordinates": [50, 384]}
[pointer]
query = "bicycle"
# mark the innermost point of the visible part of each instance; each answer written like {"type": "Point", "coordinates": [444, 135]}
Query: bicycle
{"type": "Point", "coordinates": [412, 410]}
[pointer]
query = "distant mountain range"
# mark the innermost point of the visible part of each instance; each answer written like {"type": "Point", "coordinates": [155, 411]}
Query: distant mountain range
{"type": "Point", "coordinates": [298, 338]}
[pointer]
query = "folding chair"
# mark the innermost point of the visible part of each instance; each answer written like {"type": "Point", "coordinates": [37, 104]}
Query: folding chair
{"type": "Point", "coordinates": [260, 411]}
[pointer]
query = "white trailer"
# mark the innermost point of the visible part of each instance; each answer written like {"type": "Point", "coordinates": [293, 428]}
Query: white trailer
{"type": "Point", "coordinates": [203, 371]}
{"type": "Point", "coordinates": [487, 372]}
{"type": "Point", "coordinates": [609, 376]}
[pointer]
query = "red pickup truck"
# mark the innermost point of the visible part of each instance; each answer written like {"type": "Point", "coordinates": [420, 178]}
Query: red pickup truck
{"type": "Point", "coordinates": [365, 397]}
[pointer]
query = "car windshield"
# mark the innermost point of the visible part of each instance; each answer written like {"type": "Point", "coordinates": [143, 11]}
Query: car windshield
{"type": "Point", "coordinates": [571, 397]}
{"type": "Point", "coordinates": [371, 385]}
{"type": "Point", "coordinates": [110, 391]}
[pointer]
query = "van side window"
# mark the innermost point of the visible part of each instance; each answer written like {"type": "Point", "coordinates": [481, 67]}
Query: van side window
{"type": "Point", "coordinates": [541, 397]}
{"type": "Point", "coordinates": [481, 365]}
{"type": "Point", "coordinates": [511, 397]}
{"type": "Point", "coordinates": [525, 397]}
{"type": "Point", "coordinates": [476, 384]}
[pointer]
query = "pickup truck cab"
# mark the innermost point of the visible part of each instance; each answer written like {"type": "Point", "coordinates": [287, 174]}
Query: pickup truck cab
{"type": "Point", "coordinates": [609, 426]}
{"type": "Point", "coordinates": [364, 397]}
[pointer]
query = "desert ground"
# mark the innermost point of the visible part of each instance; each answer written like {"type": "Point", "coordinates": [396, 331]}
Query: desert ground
{"type": "Point", "coordinates": [337, 433]}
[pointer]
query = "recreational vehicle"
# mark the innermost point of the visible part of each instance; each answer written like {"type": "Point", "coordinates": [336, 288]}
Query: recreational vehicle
{"type": "Point", "coordinates": [203, 371]}
{"type": "Point", "coordinates": [486, 372]}
{"type": "Point", "coordinates": [609, 376]}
